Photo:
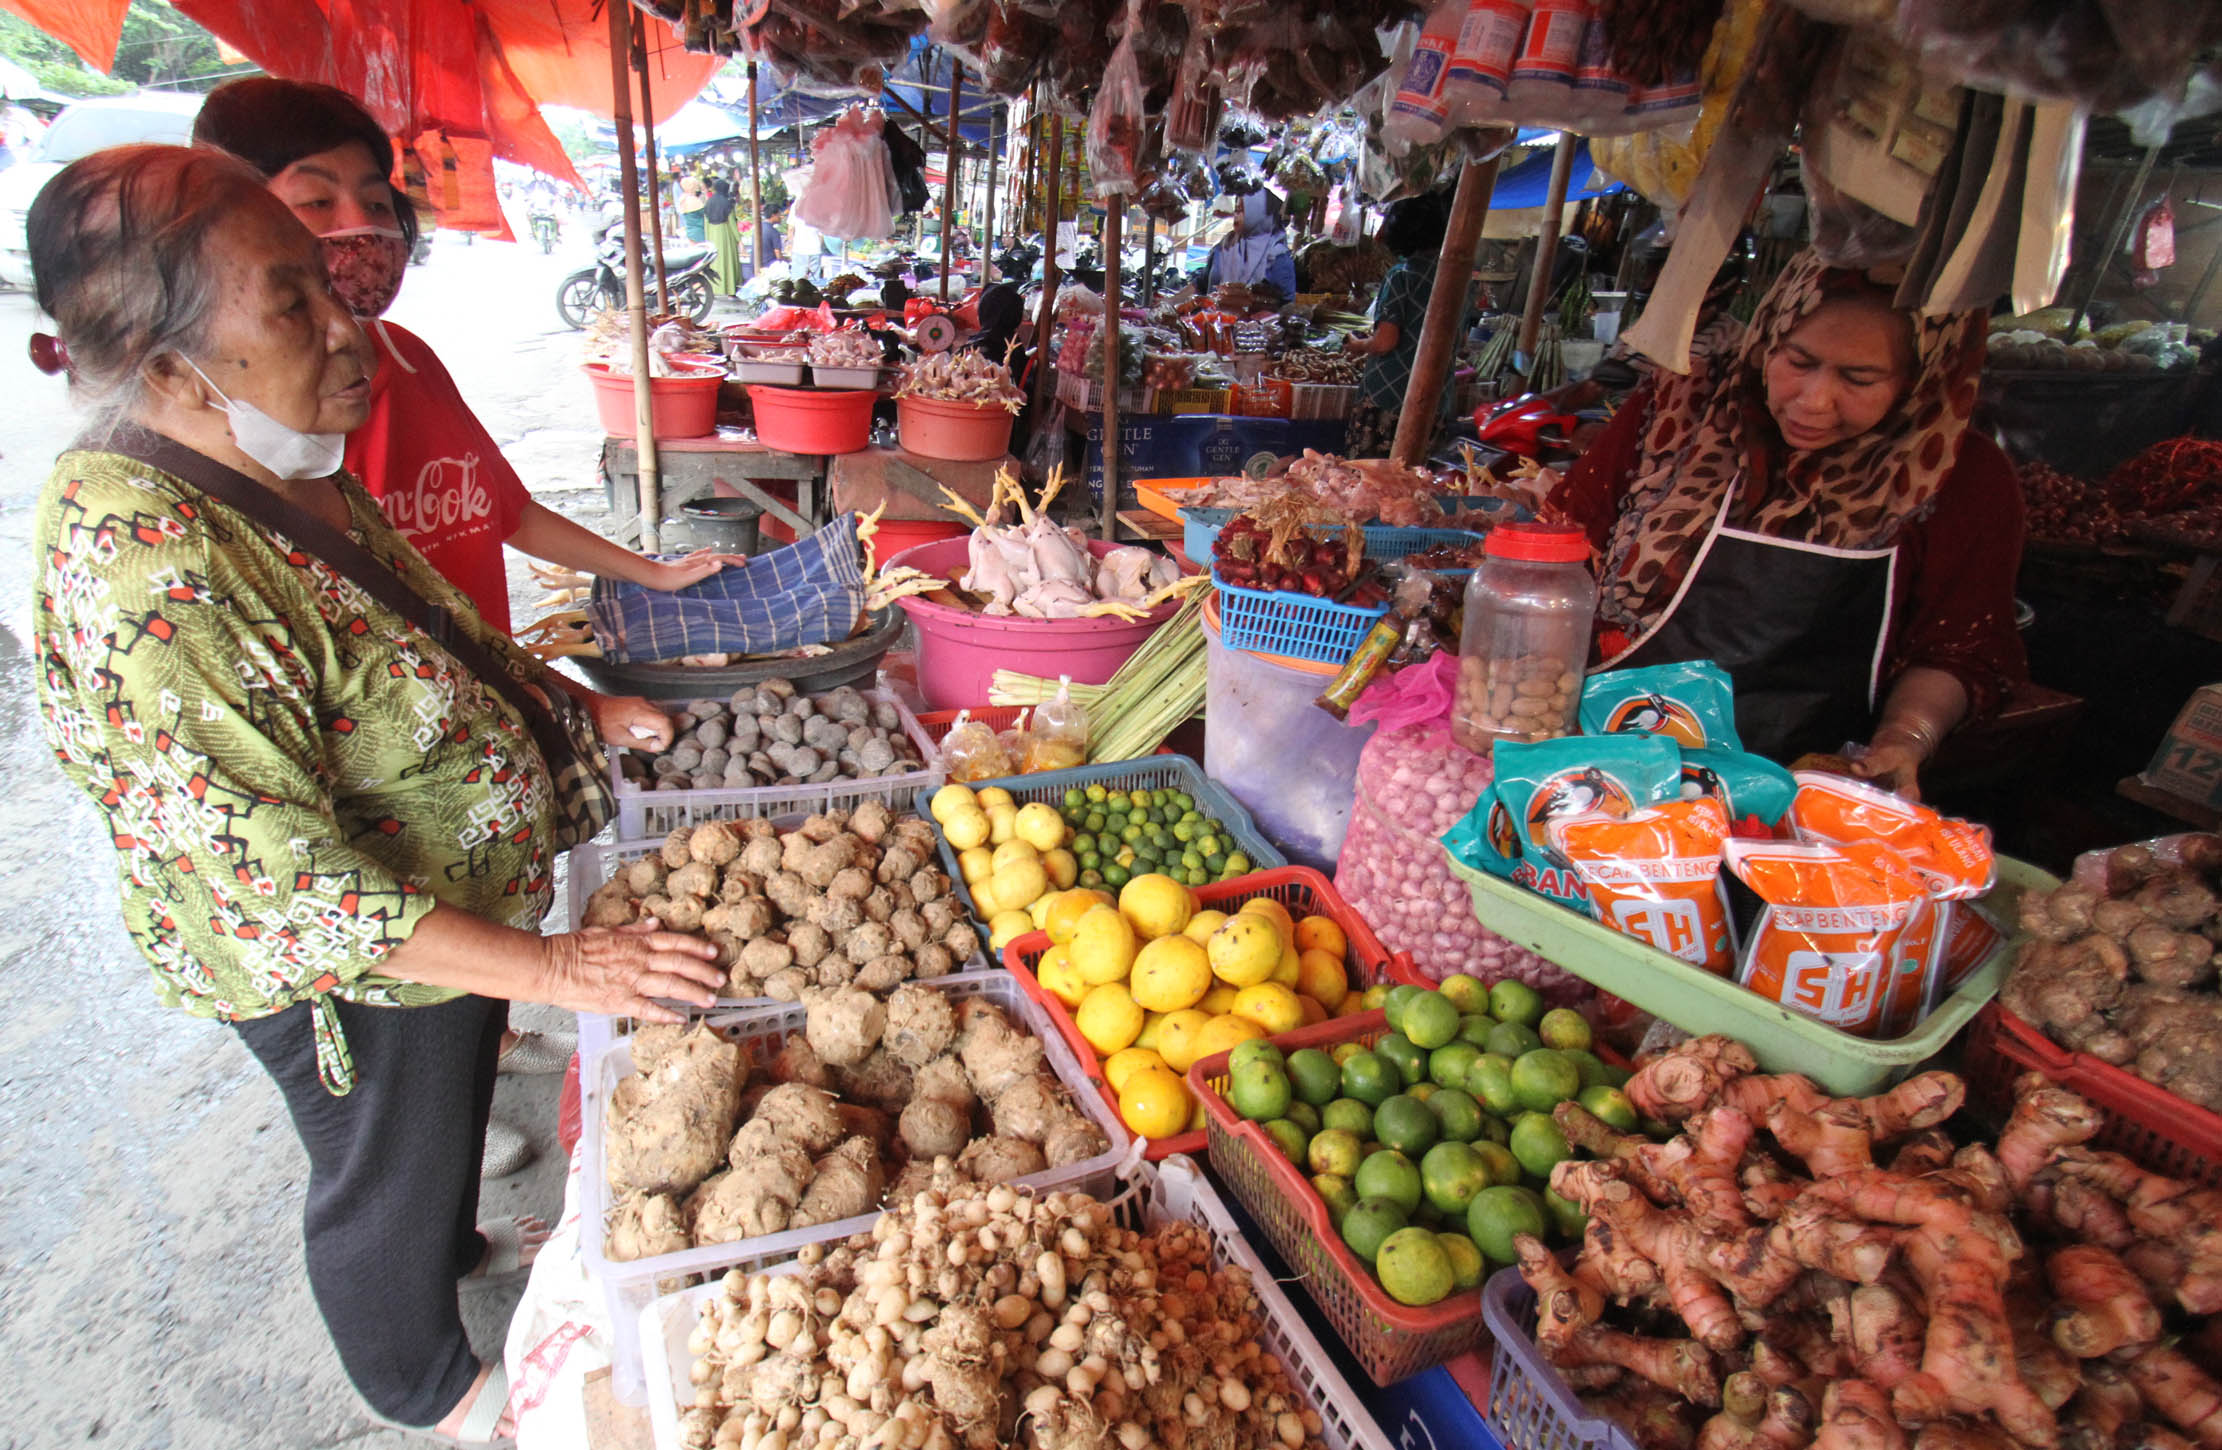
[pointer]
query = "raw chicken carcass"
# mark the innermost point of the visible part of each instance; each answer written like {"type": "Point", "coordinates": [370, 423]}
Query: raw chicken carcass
{"type": "Point", "coordinates": [990, 573]}
{"type": "Point", "coordinates": [1124, 573]}
{"type": "Point", "coordinates": [1054, 599]}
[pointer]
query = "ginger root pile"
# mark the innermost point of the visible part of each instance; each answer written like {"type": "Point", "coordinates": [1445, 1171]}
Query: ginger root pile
{"type": "Point", "coordinates": [977, 1316]}
{"type": "Point", "coordinates": [872, 1100]}
{"type": "Point", "coordinates": [1835, 1272]}
{"type": "Point", "coordinates": [847, 898]}
{"type": "Point", "coordinates": [2125, 971]}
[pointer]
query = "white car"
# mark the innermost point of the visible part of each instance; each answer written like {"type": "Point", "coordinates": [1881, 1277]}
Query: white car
{"type": "Point", "coordinates": [86, 127]}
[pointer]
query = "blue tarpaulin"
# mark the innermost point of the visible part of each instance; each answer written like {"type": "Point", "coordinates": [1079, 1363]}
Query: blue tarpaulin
{"type": "Point", "coordinates": [1527, 185]}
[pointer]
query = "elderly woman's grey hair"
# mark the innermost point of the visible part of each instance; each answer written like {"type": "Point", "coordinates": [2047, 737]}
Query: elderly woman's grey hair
{"type": "Point", "coordinates": [120, 260]}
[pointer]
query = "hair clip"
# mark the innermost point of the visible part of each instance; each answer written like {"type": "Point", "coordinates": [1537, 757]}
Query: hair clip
{"type": "Point", "coordinates": [48, 354]}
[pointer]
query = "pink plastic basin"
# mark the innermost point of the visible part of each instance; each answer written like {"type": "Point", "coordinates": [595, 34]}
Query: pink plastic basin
{"type": "Point", "coordinates": [953, 432]}
{"type": "Point", "coordinates": [959, 651]}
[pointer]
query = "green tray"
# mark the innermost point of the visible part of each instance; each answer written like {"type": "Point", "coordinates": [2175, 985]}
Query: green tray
{"type": "Point", "coordinates": [1697, 1001]}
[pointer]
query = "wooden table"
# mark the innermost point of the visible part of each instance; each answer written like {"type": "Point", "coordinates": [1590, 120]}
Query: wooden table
{"type": "Point", "coordinates": [694, 468]}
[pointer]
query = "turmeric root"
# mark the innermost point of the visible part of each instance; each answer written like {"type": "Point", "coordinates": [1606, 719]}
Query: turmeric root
{"type": "Point", "coordinates": [1855, 1415]}
{"type": "Point", "coordinates": [1917, 1103]}
{"type": "Point", "coordinates": [2046, 1119]}
{"type": "Point", "coordinates": [1923, 1152]}
{"type": "Point", "coordinates": [2103, 1305]}
{"type": "Point", "coordinates": [2181, 1393]}
{"type": "Point", "coordinates": [1884, 1333]}
{"type": "Point", "coordinates": [1814, 1234]}
{"type": "Point", "coordinates": [1755, 1416]}
{"type": "Point", "coordinates": [1697, 1169]}
{"type": "Point", "coordinates": [1655, 1419]}
{"type": "Point", "coordinates": [1689, 1077]}
{"type": "Point", "coordinates": [1829, 1140]}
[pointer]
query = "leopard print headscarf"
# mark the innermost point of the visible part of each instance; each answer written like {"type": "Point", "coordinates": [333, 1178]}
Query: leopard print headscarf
{"type": "Point", "coordinates": [1710, 424]}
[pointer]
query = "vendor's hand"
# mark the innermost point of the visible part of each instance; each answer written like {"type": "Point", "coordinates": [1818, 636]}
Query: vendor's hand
{"type": "Point", "coordinates": [619, 971]}
{"type": "Point", "coordinates": [693, 569]}
{"type": "Point", "coordinates": [630, 721]}
{"type": "Point", "coordinates": [1893, 761]}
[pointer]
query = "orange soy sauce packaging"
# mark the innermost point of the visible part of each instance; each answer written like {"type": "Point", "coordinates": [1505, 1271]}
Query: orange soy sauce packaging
{"type": "Point", "coordinates": [1655, 876]}
{"type": "Point", "coordinates": [1845, 937]}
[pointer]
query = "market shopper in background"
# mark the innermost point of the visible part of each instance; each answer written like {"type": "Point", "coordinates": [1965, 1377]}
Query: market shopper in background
{"type": "Point", "coordinates": [331, 833]}
{"type": "Point", "coordinates": [1809, 508]}
{"type": "Point", "coordinates": [1255, 253]}
{"type": "Point", "coordinates": [717, 225]}
{"type": "Point", "coordinates": [693, 196]}
{"type": "Point", "coordinates": [1412, 231]}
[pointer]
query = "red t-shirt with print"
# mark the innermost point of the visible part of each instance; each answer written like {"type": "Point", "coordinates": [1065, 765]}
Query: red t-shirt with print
{"type": "Point", "coordinates": [436, 472]}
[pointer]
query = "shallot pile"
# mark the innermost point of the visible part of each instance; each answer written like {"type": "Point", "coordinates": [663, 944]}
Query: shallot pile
{"type": "Point", "coordinates": [1037, 569]}
{"type": "Point", "coordinates": [961, 377]}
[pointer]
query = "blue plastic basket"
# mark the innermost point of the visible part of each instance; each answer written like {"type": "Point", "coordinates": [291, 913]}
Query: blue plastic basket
{"type": "Point", "coordinates": [1200, 535]}
{"type": "Point", "coordinates": [1294, 626]}
{"type": "Point", "coordinates": [1531, 1407]}
{"type": "Point", "coordinates": [1151, 772]}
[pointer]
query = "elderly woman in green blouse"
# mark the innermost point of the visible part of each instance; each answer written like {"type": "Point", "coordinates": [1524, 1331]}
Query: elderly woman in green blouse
{"type": "Point", "coordinates": [330, 834]}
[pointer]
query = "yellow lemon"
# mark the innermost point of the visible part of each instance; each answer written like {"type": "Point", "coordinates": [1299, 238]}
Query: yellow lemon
{"type": "Point", "coordinates": [1007, 926]}
{"type": "Point", "coordinates": [967, 829]}
{"type": "Point", "coordinates": [1017, 884]}
{"type": "Point", "coordinates": [1175, 1039]}
{"type": "Point", "coordinates": [1196, 1115]}
{"type": "Point", "coordinates": [1246, 949]}
{"type": "Point", "coordinates": [1220, 999]}
{"type": "Point", "coordinates": [1320, 934]}
{"type": "Point", "coordinates": [1290, 969]}
{"type": "Point", "coordinates": [1065, 910]}
{"type": "Point", "coordinates": [1267, 906]}
{"type": "Point", "coordinates": [1063, 868]}
{"type": "Point", "coordinates": [952, 800]}
{"type": "Point", "coordinates": [1321, 977]}
{"type": "Point", "coordinates": [1270, 1005]}
{"type": "Point", "coordinates": [976, 864]}
{"type": "Point", "coordinates": [1202, 925]}
{"type": "Point", "coordinates": [1155, 1103]}
{"type": "Point", "coordinates": [1055, 973]}
{"type": "Point", "coordinates": [1313, 1012]}
{"type": "Point", "coordinates": [1127, 1061]}
{"type": "Point", "coordinates": [994, 796]}
{"type": "Point", "coordinates": [1152, 1023]}
{"type": "Point", "coordinates": [1102, 946]}
{"type": "Point", "coordinates": [1169, 974]}
{"type": "Point", "coordinates": [1041, 827]}
{"type": "Point", "coordinates": [1040, 909]}
{"type": "Point", "coordinates": [1157, 905]}
{"type": "Point", "coordinates": [1011, 851]}
{"type": "Point", "coordinates": [1221, 1033]}
{"type": "Point", "coordinates": [1002, 824]}
{"type": "Point", "coordinates": [1108, 1018]}
{"type": "Point", "coordinates": [985, 903]}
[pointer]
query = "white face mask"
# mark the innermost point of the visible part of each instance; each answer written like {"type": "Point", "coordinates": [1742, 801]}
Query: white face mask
{"type": "Point", "coordinates": [287, 452]}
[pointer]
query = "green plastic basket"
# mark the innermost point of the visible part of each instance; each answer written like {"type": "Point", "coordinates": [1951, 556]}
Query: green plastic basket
{"type": "Point", "coordinates": [1697, 1001]}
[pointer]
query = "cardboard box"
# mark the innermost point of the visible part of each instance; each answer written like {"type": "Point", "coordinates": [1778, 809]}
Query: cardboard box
{"type": "Point", "coordinates": [2188, 764]}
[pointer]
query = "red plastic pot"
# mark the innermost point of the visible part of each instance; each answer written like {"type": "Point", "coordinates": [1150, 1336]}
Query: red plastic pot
{"type": "Point", "coordinates": [678, 407]}
{"type": "Point", "coordinates": [954, 432]}
{"type": "Point", "coordinates": [811, 420]}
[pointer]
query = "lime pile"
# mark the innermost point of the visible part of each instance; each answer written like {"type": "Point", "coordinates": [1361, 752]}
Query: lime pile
{"type": "Point", "coordinates": [1433, 1148]}
{"type": "Point", "coordinates": [1120, 834]}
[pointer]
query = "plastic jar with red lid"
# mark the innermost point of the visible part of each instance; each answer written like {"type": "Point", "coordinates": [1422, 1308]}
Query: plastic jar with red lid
{"type": "Point", "coordinates": [1529, 610]}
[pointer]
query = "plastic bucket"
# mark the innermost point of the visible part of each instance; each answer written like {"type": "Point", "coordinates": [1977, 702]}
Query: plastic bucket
{"type": "Point", "coordinates": [678, 407]}
{"type": "Point", "coordinates": [805, 420]}
{"type": "Point", "coordinates": [953, 432]}
{"type": "Point", "coordinates": [1292, 764]}
{"type": "Point", "coordinates": [897, 535]}
{"type": "Point", "coordinates": [960, 651]}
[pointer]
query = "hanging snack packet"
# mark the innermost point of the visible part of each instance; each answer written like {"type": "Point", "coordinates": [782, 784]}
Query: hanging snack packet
{"type": "Point", "coordinates": [1692, 703]}
{"type": "Point", "coordinates": [1656, 876]}
{"type": "Point", "coordinates": [1844, 937]}
{"type": "Point", "coordinates": [1538, 782]}
{"type": "Point", "coordinates": [1749, 787]}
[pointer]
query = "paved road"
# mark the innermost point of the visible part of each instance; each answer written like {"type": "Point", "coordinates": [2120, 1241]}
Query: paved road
{"type": "Point", "coordinates": [150, 1284]}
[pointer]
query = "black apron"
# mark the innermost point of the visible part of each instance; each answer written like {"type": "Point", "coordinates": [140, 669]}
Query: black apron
{"type": "Point", "coordinates": [1800, 628]}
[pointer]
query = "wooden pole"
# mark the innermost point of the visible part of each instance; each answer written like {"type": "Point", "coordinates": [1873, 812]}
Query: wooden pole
{"type": "Point", "coordinates": [655, 187]}
{"type": "Point", "coordinates": [755, 182]}
{"type": "Point", "coordinates": [1546, 249]}
{"type": "Point", "coordinates": [636, 298]}
{"type": "Point", "coordinates": [949, 181]}
{"type": "Point", "coordinates": [987, 229]}
{"type": "Point", "coordinates": [1446, 309]}
{"type": "Point", "coordinates": [1114, 218]}
{"type": "Point", "coordinates": [1043, 362]}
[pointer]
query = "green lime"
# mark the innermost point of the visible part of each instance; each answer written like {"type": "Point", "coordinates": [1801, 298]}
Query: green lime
{"type": "Point", "coordinates": [1400, 997]}
{"type": "Point", "coordinates": [1494, 1129]}
{"type": "Point", "coordinates": [1140, 799]}
{"type": "Point", "coordinates": [1451, 1174]}
{"type": "Point", "coordinates": [1503, 1167]}
{"type": "Point", "coordinates": [1490, 1079]}
{"type": "Point", "coordinates": [1114, 876]}
{"type": "Point", "coordinates": [1427, 1215]}
{"type": "Point", "coordinates": [1335, 1150]}
{"type": "Point", "coordinates": [1460, 1116]}
{"type": "Point", "coordinates": [1368, 1078]}
{"type": "Point", "coordinates": [1429, 1020]}
{"type": "Point", "coordinates": [1538, 1144]}
{"type": "Point", "coordinates": [1075, 798]}
{"type": "Point", "coordinates": [1095, 793]}
{"type": "Point", "coordinates": [1589, 1065]}
{"type": "Point", "coordinates": [1467, 1267]}
{"type": "Point", "coordinates": [1611, 1106]}
{"type": "Point", "coordinates": [1314, 1075]}
{"type": "Point", "coordinates": [1335, 1191]}
{"type": "Point", "coordinates": [1258, 1090]}
{"type": "Point", "coordinates": [1474, 1028]}
{"type": "Point", "coordinates": [1304, 1116]}
{"type": "Point", "coordinates": [1368, 1224]}
{"type": "Point", "coordinates": [1405, 1124]}
{"type": "Point", "coordinates": [1446, 1065]}
{"type": "Point", "coordinates": [1421, 1090]}
{"type": "Point", "coordinates": [1403, 1054]}
{"type": "Point", "coordinates": [1350, 1115]}
{"type": "Point", "coordinates": [1374, 998]}
{"type": "Point", "coordinates": [1238, 864]}
{"type": "Point", "coordinates": [1564, 1027]}
{"type": "Point", "coordinates": [1516, 1001]}
{"type": "Point", "coordinates": [1290, 1139]}
{"type": "Point", "coordinates": [1498, 1214]}
{"type": "Point", "coordinates": [1510, 1039]}
{"type": "Point", "coordinates": [1253, 1049]}
{"type": "Point", "coordinates": [1413, 1267]}
{"type": "Point", "coordinates": [1543, 1079]}
{"type": "Point", "coordinates": [1466, 993]}
{"type": "Point", "coordinates": [1389, 1174]}
{"type": "Point", "coordinates": [1566, 1216]}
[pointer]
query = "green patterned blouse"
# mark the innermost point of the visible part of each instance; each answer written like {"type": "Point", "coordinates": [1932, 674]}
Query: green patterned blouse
{"type": "Point", "coordinates": [292, 775]}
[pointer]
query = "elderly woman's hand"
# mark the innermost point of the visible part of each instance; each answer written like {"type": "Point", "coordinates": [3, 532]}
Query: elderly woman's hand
{"type": "Point", "coordinates": [619, 972]}
{"type": "Point", "coordinates": [630, 721]}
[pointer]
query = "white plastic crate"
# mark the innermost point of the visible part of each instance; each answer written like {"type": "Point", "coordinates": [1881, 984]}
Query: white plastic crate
{"type": "Point", "coordinates": [629, 1285]}
{"type": "Point", "coordinates": [1163, 1192]}
{"type": "Point", "coordinates": [658, 813]}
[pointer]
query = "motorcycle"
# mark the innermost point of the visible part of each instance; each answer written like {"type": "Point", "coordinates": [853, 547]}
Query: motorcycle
{"type": "Point", "coordinates": [602, 286]}
{"type": "Point", "coordinates": [545, 230]}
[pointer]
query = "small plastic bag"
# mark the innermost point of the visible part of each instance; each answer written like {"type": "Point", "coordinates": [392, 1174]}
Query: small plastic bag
{"type": "Point", "coordinates": [1059, 740]}
{"type": "Point", "coordinates": [1115, 121]}
{"type": "Point", "coordinates": [972, 752]}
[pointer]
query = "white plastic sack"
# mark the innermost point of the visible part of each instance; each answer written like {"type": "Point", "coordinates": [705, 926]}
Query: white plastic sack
{"type": "Point", "coordinates": [851, 193]}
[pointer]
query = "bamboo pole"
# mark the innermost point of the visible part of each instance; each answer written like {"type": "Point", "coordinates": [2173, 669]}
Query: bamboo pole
{"type": "Point", "coordinates": [987, 229]}
{"type": "Point", "coordinates": [1546, 250]}
{"type": "Point", "coordinates": [755, 183]}
{"type": "Point", "coordinates": [1446, 309]}
{"type": "Point", "coordinates": [636, 299]}
{"type": "Point", "coordinates": [949, 180]}
{"type": "Point", "coordinates": [1056, 171]}
{"type": "Point", "coordinates": [1114, 218]}
{"type": "Point", "coordinates": [655, 187]}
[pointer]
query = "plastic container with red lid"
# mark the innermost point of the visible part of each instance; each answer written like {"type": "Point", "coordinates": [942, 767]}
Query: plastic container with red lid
{"type": "Point", "coordinates": [1529, 608]}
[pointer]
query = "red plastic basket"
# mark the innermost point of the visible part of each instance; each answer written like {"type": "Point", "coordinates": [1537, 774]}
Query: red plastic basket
{"type": "Point", "coordinates": [1299, 888]}
{"type": "Point", "coordinates": [2144, 1122]}
{"type": "Point", "coordinates": [938, 723]}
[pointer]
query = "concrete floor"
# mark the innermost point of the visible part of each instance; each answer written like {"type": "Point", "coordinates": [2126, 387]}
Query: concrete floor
{"type": "Point", "coordinates": [151, 1292]}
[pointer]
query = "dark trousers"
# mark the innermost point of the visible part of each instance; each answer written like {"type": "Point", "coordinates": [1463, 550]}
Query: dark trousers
{"type": "Point", "coordinates": [392, 1214]}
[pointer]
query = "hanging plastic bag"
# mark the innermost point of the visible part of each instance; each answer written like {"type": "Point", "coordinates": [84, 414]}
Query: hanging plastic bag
{"type": "Point", "coordinates": [851, 192]}
{"type": "Point", "coordinates": [1345, 219]}
{"type": "Point", "coordinates": [2155, 246]}
{"type": "Point", "coordinates": [1115, 121]}
{"type": "Point", "coordinates": [1193, 112]}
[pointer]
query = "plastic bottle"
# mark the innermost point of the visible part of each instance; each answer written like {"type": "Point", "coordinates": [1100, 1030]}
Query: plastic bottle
{"type": "Point", "coordinates": [972, 752]}
{"type": "Point", "coordinates": [1529, 610]}
{"type": "Point", "coordinates": [1060, 736]}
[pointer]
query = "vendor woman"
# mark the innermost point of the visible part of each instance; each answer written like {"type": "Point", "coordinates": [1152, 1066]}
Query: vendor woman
{"type": "Point", "coordinates": [1809, 508]}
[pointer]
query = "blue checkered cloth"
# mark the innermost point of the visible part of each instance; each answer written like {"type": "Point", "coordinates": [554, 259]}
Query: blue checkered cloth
{"type": "Point", "coordinates": [810, 592]}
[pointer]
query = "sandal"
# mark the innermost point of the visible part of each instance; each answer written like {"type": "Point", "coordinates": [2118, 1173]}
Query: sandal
{"type": "Point", "coordinates": [506, 1249]}
{"type": "Point", "coordinates": [508, 1151]}
{"type": "Point", "coordinates": [489, 1402]}
{"type": "Point", "coordinates": [540, 1052]}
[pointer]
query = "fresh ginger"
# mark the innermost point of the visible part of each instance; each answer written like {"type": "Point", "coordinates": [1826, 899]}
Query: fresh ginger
{"type": "Point", "coordinates": [2103, 1305]}
{"type": "Point", "coordinates": [2181, 1223]}
{"type": "Point", "coordinates": [2046, 1119]}
{"type": "Point", "coordinates": [1574, 1338]}
{"type": "Point", "coordinates": [1655, 1419]}
{"type": "Point", "coordinates": [2180, 1392]}
{"type": "Point", "coordinates": [1756, 1416]}
{"type": "Point", "coordinates": [1689, 1077]}
{"type": "Point", "coordinates": [1697, 1170]}
{"type": "Point", "coordinates": [1855, 1415]}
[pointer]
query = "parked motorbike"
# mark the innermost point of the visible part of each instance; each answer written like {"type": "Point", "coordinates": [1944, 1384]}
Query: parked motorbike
{"type": "Point", "coordinates": [591, 289]}
{"type": "Point", "coordinates": [545, 230]}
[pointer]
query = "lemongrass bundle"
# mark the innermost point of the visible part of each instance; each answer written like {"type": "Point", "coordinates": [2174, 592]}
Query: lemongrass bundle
{"type": "Point", "coordinates": [1160, 685]}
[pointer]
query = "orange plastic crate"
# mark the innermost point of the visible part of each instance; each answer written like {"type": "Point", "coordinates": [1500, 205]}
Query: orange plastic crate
{"type": "Point", "coordinates": [1166, 497]}
{"type": "Point", "coordinates": [938, 723]}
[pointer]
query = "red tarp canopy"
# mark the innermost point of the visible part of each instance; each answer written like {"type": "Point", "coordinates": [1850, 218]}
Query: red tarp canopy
{"type": "Point", "coordinates": [457, 81]}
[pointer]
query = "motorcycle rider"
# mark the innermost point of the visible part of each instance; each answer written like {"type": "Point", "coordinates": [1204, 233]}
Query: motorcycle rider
{"type": "Point", "coordinates": [540, 207]}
